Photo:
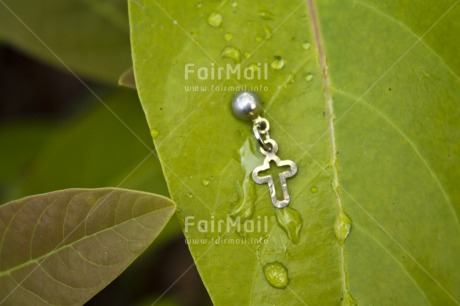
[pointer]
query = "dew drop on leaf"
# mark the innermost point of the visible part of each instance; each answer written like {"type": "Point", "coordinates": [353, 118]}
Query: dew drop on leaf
{"type": "Point", "coordinates": [342, 226]}
{"type": "Point", "coordinates": [245, 205]}
{"type": "Point", "coordinates": [290, 221]}
{"type": "Point", "coordinates": [232, 53]}
{"type": "Point", "coordinates": [266, 15]}
{"type": "Point", "coordinates": [350, 301]}
{"type": "Point", "coordinates": [254, 67]}
{"type": "Point", "coordinates": [247, 190]}
{"type": "Point", "coordinates": [228, 36]}
{"type": "Point", "coordinates": [306, 45]}
{"type": "Point", "coordinates": [276, 274]}
{"type": "Point", "coordinates": [309, 77]}
{"type": "Point", "coordinates": [268, 32]}
{"type": "Point", "coordinates": [205, 182]}
{"type": "Point", "coordinates": [215, 19]}
{"type": "Point", "coordinates": [278, 63]}
{"type": "Point", "coordinates": [154, 133]}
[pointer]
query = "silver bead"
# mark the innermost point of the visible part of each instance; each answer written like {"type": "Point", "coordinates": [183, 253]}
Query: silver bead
{"type": "Point", "coordinates": [246, 105]}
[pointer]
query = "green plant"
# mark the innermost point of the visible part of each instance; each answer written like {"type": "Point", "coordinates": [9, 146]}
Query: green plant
{"type": "Point", "coordinates": [363, 95]}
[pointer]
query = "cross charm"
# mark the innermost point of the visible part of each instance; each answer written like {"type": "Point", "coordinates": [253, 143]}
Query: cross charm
{"type": "Point", "coordinates": [247, 105]}
{"type": "Point", "coordinates": [268, 179]}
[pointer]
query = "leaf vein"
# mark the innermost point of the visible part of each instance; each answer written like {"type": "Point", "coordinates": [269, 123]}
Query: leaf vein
{"type": "Point", "coordinates": [398, 262]}
{"type": "Point", "coordinates": [409, 30]}
{"type": "Point", "coordinates": [402, 248]}
{"type": "Point", "coordinates": [411, 144]}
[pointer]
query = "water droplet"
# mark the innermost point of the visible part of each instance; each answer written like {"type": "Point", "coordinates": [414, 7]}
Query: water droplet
{"type": "Point", "coordinates": [228, 36]}
{"type": "Point", "coordinates": [306, 45]}
{"type": "Point", "coordinates": [175, 22]}
{"type": "Point", "coordinates": [349, 300]}
{"type": "Point", "coordinates": [215, 19]}
{"type": "Point", "coordinates": [249, 159]}
{"type": "Point", "coordinates": [205, 182]}
{"type": "Point", "coordinates": [190, 195]}
{"type": "Point", "coordinates": [342, 226]}
{"type": "Point", "coordinates": [259, 39]}
{"type": "Point", "coordinates": [314, 189]}
{"type": "Point", "coordinates": [247, 190]}
{"type": "Point", "coordinates": [244, 209]}
{"type": "Point", "coordinates": [247, 54]}
{"type": "Point", "coordinates": [276, 274]}
{"type": "Point", "coordinates": [266, 15]}
{"type": "Point", "coordinates": [154, 133]}
{"type": "Point", "coordinates": [232, 53]}
{"type": "Point", "coordinates": [199, 5]}
{"type": "Point", "coordinates": [268, 32]}
{"type": "Point", "coordinates": [309, 77]}
{"type": "Point", "coordinates": [234, 4]}
{"type": "Point", "coordinates": [290, 221]}
{"type": "Point", "coordinates": [255, 67]}
{"type": "Point", "coordinates": [278, 63]}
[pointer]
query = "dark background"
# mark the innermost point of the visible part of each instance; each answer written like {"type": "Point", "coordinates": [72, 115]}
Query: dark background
{"type": "Point", "coordinates": [31, 91]}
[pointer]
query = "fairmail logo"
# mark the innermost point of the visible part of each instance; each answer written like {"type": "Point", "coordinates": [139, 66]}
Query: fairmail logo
{"type": "Point", "coordinates": [258, 71]}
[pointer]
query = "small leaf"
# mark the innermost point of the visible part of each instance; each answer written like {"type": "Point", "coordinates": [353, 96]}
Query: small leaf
{"type": "Point", "coordinates": [127, 79]}
{"type": "Point", "coordinates": [63, 247]}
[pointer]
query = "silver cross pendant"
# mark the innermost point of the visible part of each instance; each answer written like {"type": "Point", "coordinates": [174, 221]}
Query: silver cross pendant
{"type": "Point", "coordinates": [247, 106]}
{"type": "Point", "coordinates": [268, 179]}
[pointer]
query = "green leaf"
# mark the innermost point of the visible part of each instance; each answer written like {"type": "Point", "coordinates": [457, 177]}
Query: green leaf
{"type": "Point", "coordinates": [107, 146]}
{"type": "Point", "coordinates": [61, 248]}
{"type": "Point", "coordinates": [89, 37]}
{"type": "Point", "coordinates": [362, 95]}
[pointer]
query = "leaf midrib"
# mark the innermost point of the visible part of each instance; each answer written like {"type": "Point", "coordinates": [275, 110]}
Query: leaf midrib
{"type": "Point", "coordinates": [315, 28]}
{"type": "Point", "coordinates": [71, 244]}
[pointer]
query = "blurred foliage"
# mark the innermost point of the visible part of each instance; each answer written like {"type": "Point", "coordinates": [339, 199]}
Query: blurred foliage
{"type": "Point", "coordinates": [108, 146]}
{"type": "Point", "coordinates": [89, 36]}
{"type": "Point", "coordinates": [94, 150]}
{"type": "Point", "coordinates": [17, 155]}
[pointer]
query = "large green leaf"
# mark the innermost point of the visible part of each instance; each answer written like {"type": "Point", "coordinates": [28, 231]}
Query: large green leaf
{"type": "Point", "coordinates": [63, 247]}
{"type": "Point", "coordinates": [363, 96]}
{"type": "Point", "coordinates": [88, 36]}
